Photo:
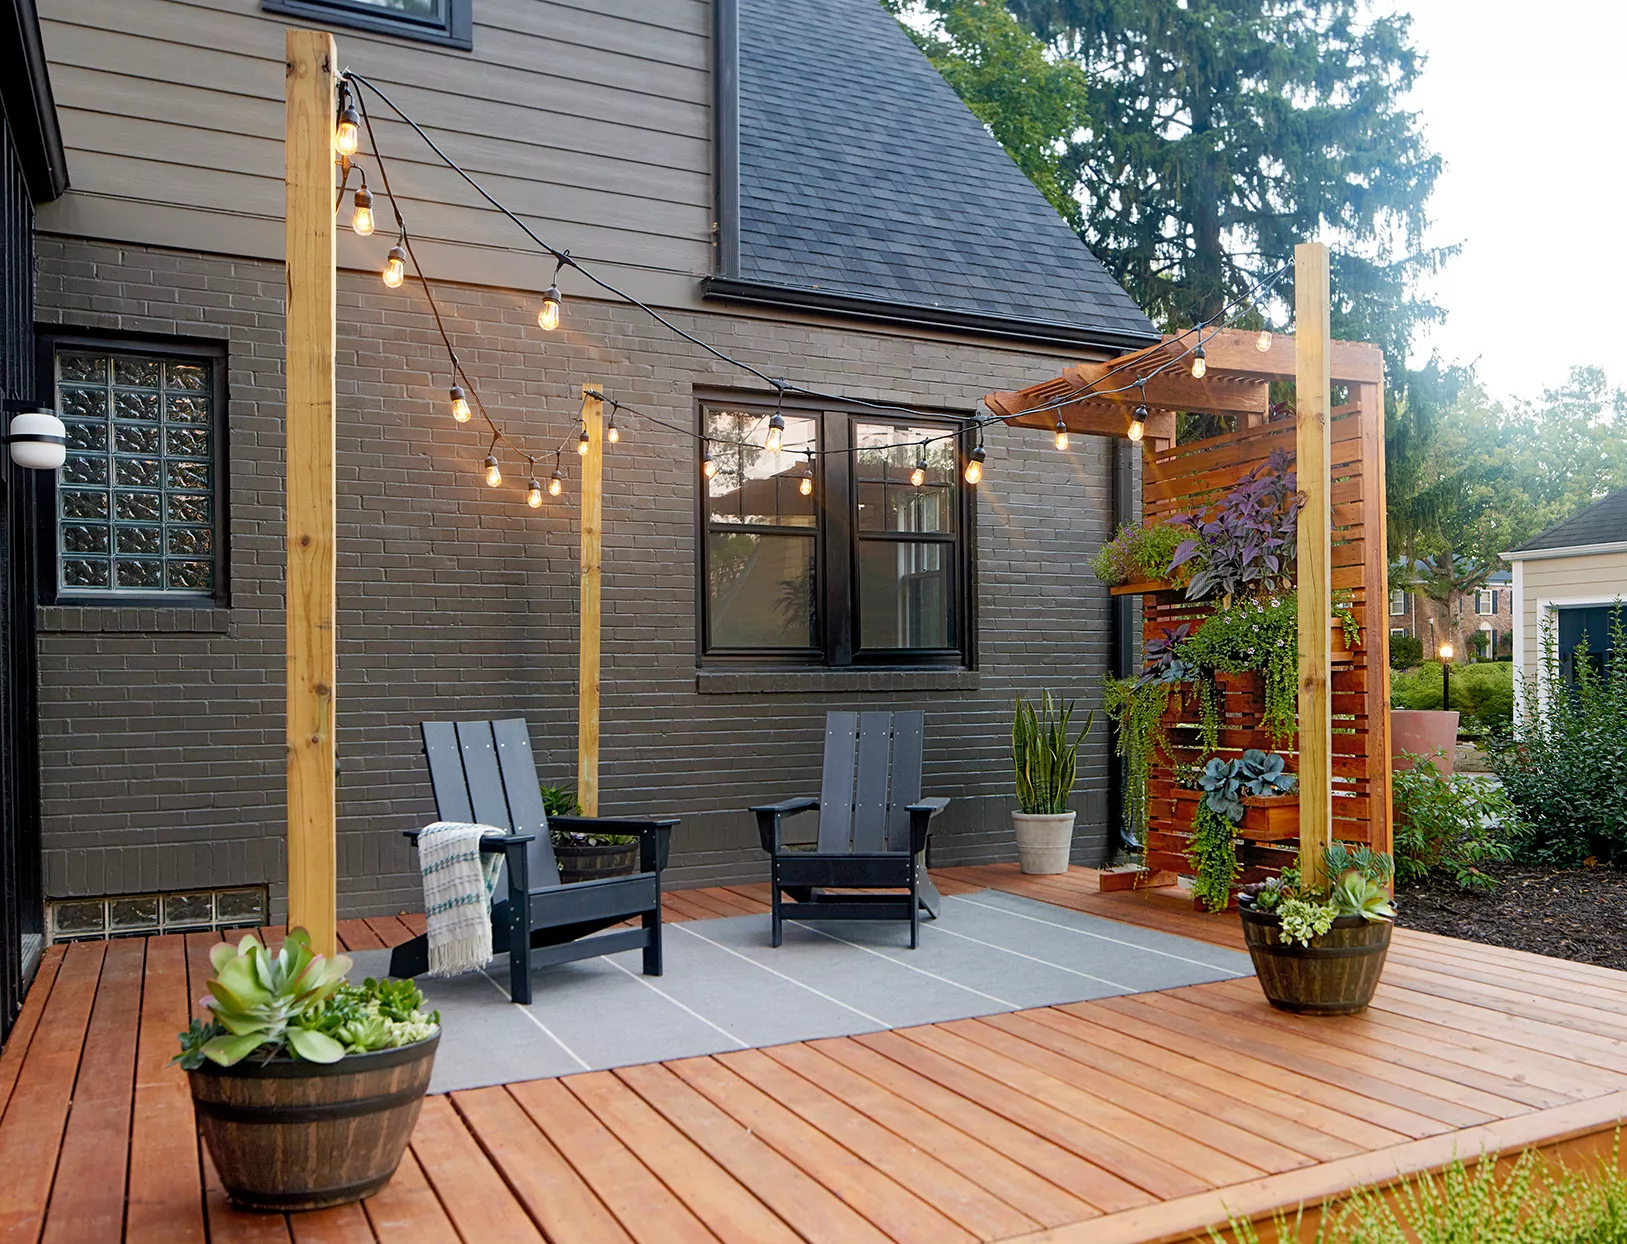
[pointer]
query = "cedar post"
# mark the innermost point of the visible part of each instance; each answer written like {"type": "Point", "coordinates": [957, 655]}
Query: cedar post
{"type": "Point", "coordinates": [1313, 444]}
{"type": "Point", "coordinates": [312, 885]}
{"type": "Point", "coordinates": [587, 675]}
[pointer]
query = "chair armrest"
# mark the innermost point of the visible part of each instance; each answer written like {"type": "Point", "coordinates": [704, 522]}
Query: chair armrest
{"type": "Point", "coordinates": [921, 815]}
{"type": "Point", "coordinates": [488, 842]}
{"type": "Point", "coordinates": [769, 816]}
{"type": "Point", "coordinates": [654, 837]}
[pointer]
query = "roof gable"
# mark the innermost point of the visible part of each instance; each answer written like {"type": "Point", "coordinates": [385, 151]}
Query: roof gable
{"type": "Point", "coordinates": [1603, 522]}
{"type": "Point", "coordinates": [865, 181]}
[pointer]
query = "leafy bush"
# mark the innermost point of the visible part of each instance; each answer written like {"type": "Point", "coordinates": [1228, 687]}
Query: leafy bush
{"type": "Point", "coordinates": [1483, 694]}
{"type": "Point", "coordinates": [1565, 764]}
{"type": "Point", "coordinates": [1455, 823]}
{"type": "Point", "coordinates": [1535, 1202]}
{"type": "Point", "coordinates": [1137, 554]}
{"type": "Point", "coordinates": [560, 801]}
{"type": "Point", "coordinates": [1405, 651]}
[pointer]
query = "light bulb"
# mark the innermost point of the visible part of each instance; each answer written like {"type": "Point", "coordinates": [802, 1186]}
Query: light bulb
{"type": "Point", "coordinates": [805, 485]}
{"type": "Point", "coordinates": [556, 483]}
{"type": "Point", "coordinates": [776, 430]}
{"type": "Point", "coordinates": [494, 473]}
{"type": "Point", "coordinates": [533, 494]}
{"type": "Point", "coordinates": [974, 465]}
{"type": "Point", "coordinates": [709, 465]}
{"type": "Point", "coordinates": [1061, 435]}
{"type": "Point", "coordinates": [395, 267]}
{"type": "Point", "coordinates": [1199, 367]}
{"type": "Point", "coordinates": [548, 317]}
{"type": "Point", "coordinates": [582, 443]}
{"type": "Point", "coordinates": [611, 432]}
{"type": "Point", "coordinates": [460, 404]}
{"type": "Point", "coordinates": [347, 134]}
{"type": "Point", "coordinates": [1262, 343]}
{"type": "Point", "coordinates": [918, 476]}
{"type": "Point", "coordinates": [362, 221]}
{"type": "Point", "coordinates": [1138, 425]}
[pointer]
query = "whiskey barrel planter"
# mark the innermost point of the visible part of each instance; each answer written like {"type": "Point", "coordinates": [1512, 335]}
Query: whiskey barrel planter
{"type": "Point", "coordinates": [291, 1135]}
{"type": "Point", "coordinates": [1335, 975]}
{"type": "Point", "coordinates": [584, 862]}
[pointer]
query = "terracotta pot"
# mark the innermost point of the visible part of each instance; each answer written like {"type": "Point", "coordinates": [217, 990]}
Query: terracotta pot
{"type": "Point", "coordinates": [1335, 975]}
{"type": "Point", "coordinates": [1043, 839]}
{"type": "Point", "coordinates": [581, 862]}
{"type": "Point", "coordinates": [293, 1135]}
{"type": "Point", "coordinates": [1423, 732]}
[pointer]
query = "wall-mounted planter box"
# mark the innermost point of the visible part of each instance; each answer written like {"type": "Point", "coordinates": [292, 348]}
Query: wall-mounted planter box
{"type": "Point", "coordinates": [1266, 818]}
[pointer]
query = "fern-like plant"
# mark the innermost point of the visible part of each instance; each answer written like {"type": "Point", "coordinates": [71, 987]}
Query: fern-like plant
{"type": "Point", "coordinates": [1042, 755]}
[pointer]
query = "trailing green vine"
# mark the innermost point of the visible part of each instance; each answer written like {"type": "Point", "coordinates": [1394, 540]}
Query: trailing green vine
{"type": "Point", "coordinates": [1137, 708]}
{"type": "Point", "coordinates": [1213, 852]}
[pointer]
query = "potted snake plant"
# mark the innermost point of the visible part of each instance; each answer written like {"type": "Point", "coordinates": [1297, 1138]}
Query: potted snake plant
{"type": "Point", "coordinates": [1046, 761]}
{"type": "Point", "coordinates": [305, 1087]}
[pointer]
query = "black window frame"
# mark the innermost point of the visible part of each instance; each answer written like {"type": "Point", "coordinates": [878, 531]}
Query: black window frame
{"type": "Point", "coordinates": [454, 29]}
{"type": "Point", "coordinates": [46, 486]}
{"type": "Point", "coordinates": [837, 538]}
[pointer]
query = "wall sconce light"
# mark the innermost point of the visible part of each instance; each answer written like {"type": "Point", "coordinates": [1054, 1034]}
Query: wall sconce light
{"type": "Point", "coordinates": [38, 439]}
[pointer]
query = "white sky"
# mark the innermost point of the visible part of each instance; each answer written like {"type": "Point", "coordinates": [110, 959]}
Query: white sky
{"type": "Point", "coordinates": [1525, 102]}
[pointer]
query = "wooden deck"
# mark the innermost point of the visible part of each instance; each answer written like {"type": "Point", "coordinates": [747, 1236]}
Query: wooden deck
{"type": "Point", "coordinates": [1123, 1120]}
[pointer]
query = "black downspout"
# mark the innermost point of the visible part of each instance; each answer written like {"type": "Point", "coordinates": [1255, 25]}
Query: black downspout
{"type": "Point", "coordinates": [1121, 647]}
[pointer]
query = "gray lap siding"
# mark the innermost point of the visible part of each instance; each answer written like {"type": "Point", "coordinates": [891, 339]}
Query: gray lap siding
{"type": "Point", "coordinates": [162, 730]}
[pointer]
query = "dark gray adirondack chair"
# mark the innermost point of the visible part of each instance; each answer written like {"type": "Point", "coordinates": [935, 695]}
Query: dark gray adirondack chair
{"type": "Point", "coordinates": [483, 772]}
{"type": "Point", "coordinates": [873, 828]}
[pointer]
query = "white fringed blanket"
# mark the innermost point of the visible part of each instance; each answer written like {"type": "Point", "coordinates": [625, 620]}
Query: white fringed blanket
{"type": "Point", "coordinates": [458, 885]}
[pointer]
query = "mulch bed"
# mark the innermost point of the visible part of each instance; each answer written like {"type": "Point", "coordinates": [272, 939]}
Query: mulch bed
{"type": "Point", "coordinates": [1569, 913]}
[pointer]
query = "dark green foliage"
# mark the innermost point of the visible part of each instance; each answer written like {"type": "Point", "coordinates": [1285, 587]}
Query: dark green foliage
{"type": "Point", "coordinates": [1212, 850]}
{"type": "Point", "coordinates": [1226, 783]}
{"type": "Point", "coordinates": [1483, 693]}
{"type": "Point", "coordinates": [1044, 759]}
{"type": "Point", "coordinates": [560, 801]}
{"type": "Point", "coordinates": [1565, 764]}
{"type": "Point", "coordinates": [1405, 651]}
{"type": "Point", "coordinates": [1137, 554]}
{"type": "Point", "coordinates": [1453, 824]}
{"type": "Point", "coordinates": [1136, 708]}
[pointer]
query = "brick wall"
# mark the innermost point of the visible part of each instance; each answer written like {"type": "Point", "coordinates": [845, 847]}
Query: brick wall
{"type": "Point", "coordinates": [162, 728]}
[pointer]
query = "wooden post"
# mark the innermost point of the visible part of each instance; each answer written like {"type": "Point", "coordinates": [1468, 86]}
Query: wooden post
{"type": "Point", "coordinates": [312, 885]}
{"type": "Point", "coordinates": [587, 673]}
{"type": "Point", "coordinates": [1313, 444]}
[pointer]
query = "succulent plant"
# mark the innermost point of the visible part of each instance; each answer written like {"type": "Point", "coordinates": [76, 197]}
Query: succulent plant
{"type": "Point", "coordinates": [260, 999]}
{"type": "Point", "coordinates": [1225, 783]}
{"type": "Point", "coordinates": [1356, 895]}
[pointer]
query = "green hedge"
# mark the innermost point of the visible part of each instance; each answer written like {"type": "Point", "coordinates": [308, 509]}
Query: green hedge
{"type": "Point", "coordinates": [1483, 693]}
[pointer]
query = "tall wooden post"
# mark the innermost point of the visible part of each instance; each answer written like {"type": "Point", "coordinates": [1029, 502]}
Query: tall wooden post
{"type": "Point", "coordinates": [1313, 443]}
{"type": "Point", "coordinates": [312, 862]}
{"type": "Point", "coordinates": [587, 673]}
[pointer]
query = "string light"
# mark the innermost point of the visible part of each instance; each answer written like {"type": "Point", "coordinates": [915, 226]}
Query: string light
{"type": "Point", "coordinates": [460, 404]}
{"type": "Point", "coordinates": [1138, 425]}
{"type": "Point", "coordinates": [552, 299]}
{"type": "Point", "coordinates": [347, 134]}
{"type": "Point", "coordinates": [582, 441]}
{"type": "Point", "coordinates": [395, 266]}
{"type": "Point", "coordinates": [494, 473]}
{"type": "Point", "coordinates": [1262, 343]}
{"type": "Point", "coordinates": [533, 494]}
{"type": "Point", "coordinates": [1199, 367]}
{"type": "Point", "coordinates": [556, 481]}
{"type": "Point", "coordinates": [1061, 434]}
{"type": "Point", "coordinates": [918, 476]}
{"type": "Point", "coordinates": [362, 222]}
{"type": "Point", "coordinates": [776, 433]}
{"type": "Point", "coordinates": [806, 484]}
{"type": "Point", "coordinates": [975, 461]}
{"type": "Point", "coordinates": [611, 432]}
{"type": "Point", "coordinates": [708, 463]}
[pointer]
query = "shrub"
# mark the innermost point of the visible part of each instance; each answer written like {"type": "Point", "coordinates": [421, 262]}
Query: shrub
{"type": "Point", "coordinates": [1534, 1202]}
{"type": "Point", "coordinates": [1405, 651]}
{"type": "Point", "coordinates": [1137, 554]}
{"type": "Point", "coordinates": [1454, 823]}
{"type": "Point", "coordinates": [1563, 763]}
{"type": "Point", "coordinates": [1483, 693]}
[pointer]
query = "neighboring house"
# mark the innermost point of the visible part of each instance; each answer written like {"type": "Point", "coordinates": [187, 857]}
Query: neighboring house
{"type": "Point", "coordinates": [787, 179]}
{"type": "Point", "coordinates": [1488, 611]}
{"type": "Point", "coordinates": [1570, 575]}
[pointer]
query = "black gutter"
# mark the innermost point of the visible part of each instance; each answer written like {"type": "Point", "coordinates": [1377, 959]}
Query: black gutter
{"type": "Point", "coordinates": [854, 306]}
{"type": "Point", "coordinates": [726, 135]}
{"type": "Point", "coordinates": [25, 92]}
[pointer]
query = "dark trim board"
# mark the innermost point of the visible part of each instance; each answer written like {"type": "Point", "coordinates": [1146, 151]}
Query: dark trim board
{"type": "Point", "coordinates": [25, 90]}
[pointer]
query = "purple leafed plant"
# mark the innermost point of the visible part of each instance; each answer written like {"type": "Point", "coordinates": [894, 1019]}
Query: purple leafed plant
{"type": "Point", "coordinates": [1248, 545]}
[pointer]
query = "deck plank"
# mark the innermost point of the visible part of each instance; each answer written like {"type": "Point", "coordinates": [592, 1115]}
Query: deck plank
{"type": "Point", "coordinates": [28, 1019]}
{"type": "Point", "coordinates": [31, 1133]}
{"type": "Point", "coordinates": [230, 1225]}
{"type": "Point", "coordinates": [475, 1198]}
{"type": "Point", "coordinates": [343, 1224]}
{"type": "Point", "coordinates": [357, 935]}
{"type": "Point", "coordinates": [87, 1200]}
{"type": "Point", "coordinates": [406, 1210]}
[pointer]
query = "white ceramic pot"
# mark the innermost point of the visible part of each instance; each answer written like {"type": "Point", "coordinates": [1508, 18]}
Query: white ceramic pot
{"type": "Point", "coordinates": [1043, 839]}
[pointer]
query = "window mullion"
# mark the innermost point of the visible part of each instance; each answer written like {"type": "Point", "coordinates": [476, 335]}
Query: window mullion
{"type": "Point", "coordinates": [836, 528]}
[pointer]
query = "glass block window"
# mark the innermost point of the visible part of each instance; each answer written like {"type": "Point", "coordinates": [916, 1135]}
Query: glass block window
{"type": "Point", "coordinates": [137, 496]}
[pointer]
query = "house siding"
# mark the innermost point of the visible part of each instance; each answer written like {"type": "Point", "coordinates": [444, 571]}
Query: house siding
{"type": "Point", "coordinates": [162, 729]}
{"type": "Point", "coordinates": [1598, 578]}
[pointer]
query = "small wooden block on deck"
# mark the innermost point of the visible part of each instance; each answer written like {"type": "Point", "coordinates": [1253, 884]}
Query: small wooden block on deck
{"type": "Point", "coordinates": [1114, 879]}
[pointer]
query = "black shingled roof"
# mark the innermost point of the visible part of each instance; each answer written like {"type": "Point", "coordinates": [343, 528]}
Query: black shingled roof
{"type": "Point", "coordinates": [866, 185]}
{"type": "Point", "coordinates": [1603, 522]}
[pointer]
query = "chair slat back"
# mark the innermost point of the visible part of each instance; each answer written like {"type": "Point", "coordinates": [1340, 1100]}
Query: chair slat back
{"type": "Point", "coordinates": [483, 771]}
{"type": "Point", "coordinates": [872, 773]}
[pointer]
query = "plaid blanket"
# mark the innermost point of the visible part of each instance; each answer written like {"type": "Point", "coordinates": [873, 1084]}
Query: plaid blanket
{"type": "Point", "coordinates": [458, 886]}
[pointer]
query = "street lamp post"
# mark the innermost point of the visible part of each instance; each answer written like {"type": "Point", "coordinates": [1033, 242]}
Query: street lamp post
{"type": "Point", "coordinates": [1446, 675]}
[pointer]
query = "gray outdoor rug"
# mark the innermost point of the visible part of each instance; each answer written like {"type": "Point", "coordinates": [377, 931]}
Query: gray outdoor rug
{"type": "Point", "coordinates": [725, 988]}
